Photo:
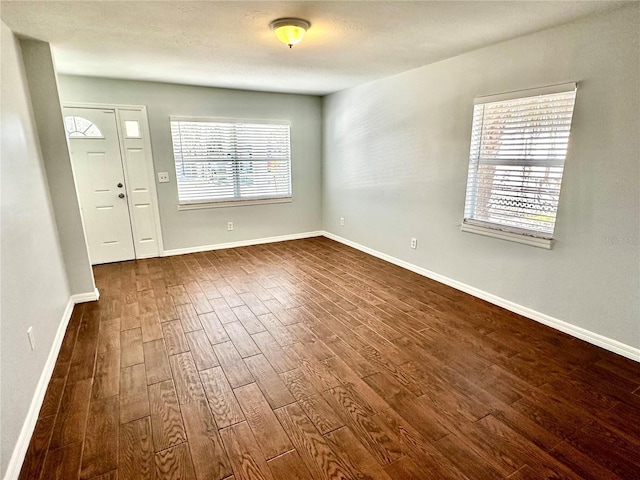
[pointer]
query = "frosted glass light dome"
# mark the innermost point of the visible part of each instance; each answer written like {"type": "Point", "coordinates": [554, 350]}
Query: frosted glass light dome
{"type": "Point", "coordinates": [290, 31]}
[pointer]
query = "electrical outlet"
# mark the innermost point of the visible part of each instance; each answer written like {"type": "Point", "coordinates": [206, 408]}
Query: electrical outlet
{"type": "Point", "coordinates": [414, 243]}
{"type": "Point", "coordinates": [229, 226]}
{"type": "Point", "coordinates": [32, 340]}
{"type": "Point", "coordinates": [163, 177]}
{"type": "Point", "coordinates": [342, 221]}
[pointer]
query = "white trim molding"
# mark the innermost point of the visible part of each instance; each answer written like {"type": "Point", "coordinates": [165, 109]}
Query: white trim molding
{"type": "Point", "coordinates": [583, 334]}
{"type": "Point", "coordinates": [234, 203]}
{"type": "Point", "coordinates": [510, 236]}
{"type": "Point", "coordinates": [86, 297]}
{"type": "Point", "coordinates": [529, 92]}
{"type": "Point", "coordinates": [242, 243]}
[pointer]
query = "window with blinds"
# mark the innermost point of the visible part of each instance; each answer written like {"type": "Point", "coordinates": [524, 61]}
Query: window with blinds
{"type": "Point", "coordinates": [221, 161]}
{"type": "Point", "coordinates": [518, 149]}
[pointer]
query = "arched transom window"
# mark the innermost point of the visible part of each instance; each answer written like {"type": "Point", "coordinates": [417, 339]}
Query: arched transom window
{"type": "Point", "coordinates": [81, 127]}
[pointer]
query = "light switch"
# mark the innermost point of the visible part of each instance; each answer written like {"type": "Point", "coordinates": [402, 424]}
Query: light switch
{"type": "Point", "coordinates": [163, 177]}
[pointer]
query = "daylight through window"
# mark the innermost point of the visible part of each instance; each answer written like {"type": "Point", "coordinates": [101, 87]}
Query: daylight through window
{"type": "Point", "coordinates": [219, 161]}
{"type": "Point", "coordinates": [81, 127]}
{"type": "Point", "coordinates": [518, 149]}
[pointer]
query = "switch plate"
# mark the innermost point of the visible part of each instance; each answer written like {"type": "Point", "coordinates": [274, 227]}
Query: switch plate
{"type": "Point", "coordinates": [163, 177]}
{"type": "Point", "coordinates": [414, 243]}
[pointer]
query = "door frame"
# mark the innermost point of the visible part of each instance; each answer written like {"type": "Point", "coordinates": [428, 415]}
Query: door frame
{"type": "Point", "coordinates": [148, 158]}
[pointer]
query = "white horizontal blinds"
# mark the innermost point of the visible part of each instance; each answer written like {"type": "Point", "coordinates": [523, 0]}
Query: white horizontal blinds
{"type": "Point", "coordinates": [225, 161]}
{"type": "Point", "coordinates": [264, 160]}
{"type": "Point", "coordinates": [518, 149]}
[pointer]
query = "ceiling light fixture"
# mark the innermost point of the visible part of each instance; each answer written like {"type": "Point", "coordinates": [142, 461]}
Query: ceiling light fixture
{"type": "Point", "coordinates": [290, 30]}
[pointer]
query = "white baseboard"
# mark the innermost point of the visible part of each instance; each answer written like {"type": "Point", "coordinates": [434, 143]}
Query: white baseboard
{"type": "Point", "coordinates": [20, 450]}
{"type": "Point", "coordinates": [241, 243]}
{"type": "Point", "coordinates": [86, 297]}
{"type": "Point", "coordinates": [588, 336]}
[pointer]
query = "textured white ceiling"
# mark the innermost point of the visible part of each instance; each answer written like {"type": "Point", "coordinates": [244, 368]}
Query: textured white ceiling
{"type": "Point", "coordinates": [229, 44]}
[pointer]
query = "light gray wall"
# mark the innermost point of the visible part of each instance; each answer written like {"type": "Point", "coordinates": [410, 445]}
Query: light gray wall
{"type": "Point", "coordinates": [395, 165]}
{"type": "Point", "coordinates": [34, 289]}
{"type": "Point", "coordinates": [181, 229]}
{"type": "Point", "coordinates": [43, 89]}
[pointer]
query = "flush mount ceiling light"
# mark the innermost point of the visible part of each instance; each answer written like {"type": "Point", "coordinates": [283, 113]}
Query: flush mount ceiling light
{"type": "Point", "coordinates": [290, 30]}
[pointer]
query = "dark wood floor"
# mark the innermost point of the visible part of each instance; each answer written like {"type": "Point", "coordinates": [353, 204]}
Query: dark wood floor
{"type": "Point", "coordinates": [308, 359]}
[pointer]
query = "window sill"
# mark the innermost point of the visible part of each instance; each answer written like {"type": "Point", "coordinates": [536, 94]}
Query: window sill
{"type": "Point", "coordinates": [233, 203]}
{"type": "Point", "coordinates": [545, 243]}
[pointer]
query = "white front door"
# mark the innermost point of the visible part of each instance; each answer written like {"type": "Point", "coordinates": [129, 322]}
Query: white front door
{"type": "Point", "coordinates": [100, 181]}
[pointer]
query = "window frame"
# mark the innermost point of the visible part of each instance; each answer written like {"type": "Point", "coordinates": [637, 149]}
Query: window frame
{"type": "Point", "coordinates": [503, 231]}
{"type": "Point", "coordinates": [234, 202]}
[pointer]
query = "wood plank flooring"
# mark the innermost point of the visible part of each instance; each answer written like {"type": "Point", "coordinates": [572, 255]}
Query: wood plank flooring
{"type": "Point", "coordinates": [310, 360]}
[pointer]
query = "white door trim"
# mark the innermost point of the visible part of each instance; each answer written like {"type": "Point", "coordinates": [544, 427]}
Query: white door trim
{"type": "Point", "coordinates": [147, 143]}
{"type": "Point", "coordinates": [105, 106]}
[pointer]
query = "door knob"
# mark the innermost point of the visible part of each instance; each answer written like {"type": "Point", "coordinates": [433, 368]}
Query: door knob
{"type": "Point", "coordinates": [119, 185]}
{"type": "Point", "coordinates": [121, 195]}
